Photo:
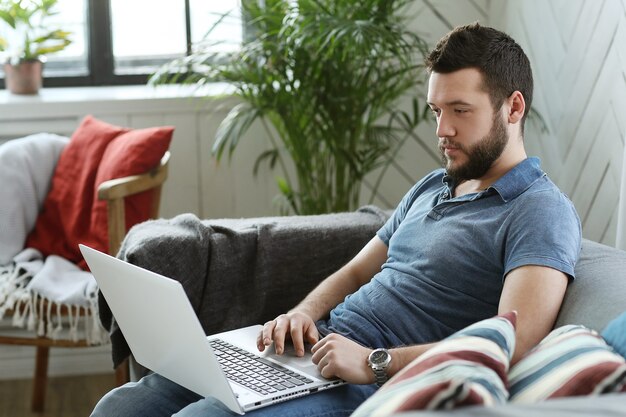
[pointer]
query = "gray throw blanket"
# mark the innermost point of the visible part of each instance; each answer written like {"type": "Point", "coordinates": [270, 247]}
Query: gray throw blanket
{"type": "Point", "coordinates": [238, 272]}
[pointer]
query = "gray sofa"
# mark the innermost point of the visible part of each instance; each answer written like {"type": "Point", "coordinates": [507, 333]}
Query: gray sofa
{"type": "Point", "coordinates": [238, 272]}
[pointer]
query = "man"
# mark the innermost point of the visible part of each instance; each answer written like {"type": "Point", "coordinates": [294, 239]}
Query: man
{"type": "Point", "coordinates": [488, 234]}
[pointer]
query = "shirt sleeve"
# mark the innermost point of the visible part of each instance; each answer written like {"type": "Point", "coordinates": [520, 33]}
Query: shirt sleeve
{"type": "Point", "coordinates": [544, 230]}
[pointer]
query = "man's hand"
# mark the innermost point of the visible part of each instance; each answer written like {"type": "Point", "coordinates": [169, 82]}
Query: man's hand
{"type": "Point", "coordinates": [299, 323]}
{"type": "Point", "coordinates": [299, 326]}
{"type": "Point", "coordinates": [338, 356]}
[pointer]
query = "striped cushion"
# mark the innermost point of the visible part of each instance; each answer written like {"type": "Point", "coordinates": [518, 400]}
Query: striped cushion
{"type": "Point", "coordinates": [467, 368]}
{"type": "Point", "coordinates": [572, 360]}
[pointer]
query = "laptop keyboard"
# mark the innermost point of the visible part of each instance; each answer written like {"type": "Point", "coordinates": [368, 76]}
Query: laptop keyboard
{"type": "Point", "coordinates": [255, 372]}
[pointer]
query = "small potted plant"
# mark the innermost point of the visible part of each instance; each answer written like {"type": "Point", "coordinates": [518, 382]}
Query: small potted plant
{"type": "Point", "coordinates": [28, 39]}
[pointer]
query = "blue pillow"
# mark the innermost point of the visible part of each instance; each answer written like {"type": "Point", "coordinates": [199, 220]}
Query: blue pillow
{"type": "Point", "coordinates": [615, 334]}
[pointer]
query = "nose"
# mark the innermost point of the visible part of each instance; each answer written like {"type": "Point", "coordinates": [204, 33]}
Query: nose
{"type": "Point", "coordinates": [444, 127]}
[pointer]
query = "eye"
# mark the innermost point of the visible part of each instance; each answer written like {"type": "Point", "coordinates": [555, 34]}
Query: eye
{"type": "Point", "coordinates": [435, 111]}
{"type": "Point", "coordinates": [462, 110]}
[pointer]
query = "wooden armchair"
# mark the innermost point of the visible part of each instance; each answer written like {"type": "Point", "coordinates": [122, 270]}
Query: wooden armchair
{"type": "Point", "coordinates": [113, 192]}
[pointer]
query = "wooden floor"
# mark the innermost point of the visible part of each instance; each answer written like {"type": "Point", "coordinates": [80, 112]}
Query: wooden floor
{"type": "Point", "coordinates": [65, 396]}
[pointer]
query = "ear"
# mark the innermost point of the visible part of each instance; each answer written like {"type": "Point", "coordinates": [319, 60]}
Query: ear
{"type": "Point", "coordinates": [516, 107]}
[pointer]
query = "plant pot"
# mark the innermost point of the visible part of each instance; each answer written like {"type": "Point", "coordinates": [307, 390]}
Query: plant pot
{"type": "Point", "coordinates": [24, 78]}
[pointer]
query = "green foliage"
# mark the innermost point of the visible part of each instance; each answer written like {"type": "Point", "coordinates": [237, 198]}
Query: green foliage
{"type": "Point", "coordinates": [26, 19]}
{"type": "Point", "coordinates": [328, 75]}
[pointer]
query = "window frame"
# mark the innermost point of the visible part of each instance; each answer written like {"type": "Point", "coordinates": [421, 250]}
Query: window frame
{"type": "Point", "coordinates": [100, 59]}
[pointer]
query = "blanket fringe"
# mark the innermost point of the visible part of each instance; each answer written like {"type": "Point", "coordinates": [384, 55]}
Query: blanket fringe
{"type": "Point", "coordinates": [38, 314]}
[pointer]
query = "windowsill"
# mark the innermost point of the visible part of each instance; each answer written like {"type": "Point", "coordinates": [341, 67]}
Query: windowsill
{"type": "Point", "coordinates": [64, 102]}
{"type": "Point", "coordinates": [115, 93]}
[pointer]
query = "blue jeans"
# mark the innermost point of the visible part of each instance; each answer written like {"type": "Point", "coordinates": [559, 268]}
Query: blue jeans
{"type": "Point", "coordinates": [155, 396]}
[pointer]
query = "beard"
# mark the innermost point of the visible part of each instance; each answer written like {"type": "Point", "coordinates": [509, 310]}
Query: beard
{"type": "Point", "coordinates": [480, 156]}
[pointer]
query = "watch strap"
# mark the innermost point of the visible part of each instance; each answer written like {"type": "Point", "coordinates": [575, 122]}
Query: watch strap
{"type": "Point", "coordinates": [380, 376]}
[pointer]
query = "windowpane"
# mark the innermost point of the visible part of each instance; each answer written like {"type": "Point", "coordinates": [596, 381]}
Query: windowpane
{"type": "Point", "coordinates": [143, 34]}
{"type": "Point", "coordinates": [72, 60]}
{"type": "Point", "coordinates": [141, 44]}
{"type": "Point", "coordinates": [227, 35]}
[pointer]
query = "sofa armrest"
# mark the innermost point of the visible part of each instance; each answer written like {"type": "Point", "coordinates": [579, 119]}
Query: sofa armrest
{"type": "Point", "coordinates": [596, 295]}
{"type": "Point", "coordinates": [238, 272]}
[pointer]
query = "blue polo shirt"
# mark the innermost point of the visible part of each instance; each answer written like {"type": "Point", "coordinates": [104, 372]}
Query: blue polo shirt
{"type": "Point", "coordinates": [448, 257]}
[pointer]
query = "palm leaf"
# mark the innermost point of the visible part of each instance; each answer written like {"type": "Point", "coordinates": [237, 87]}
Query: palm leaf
{"type": "Point", "coordinates": [233, 127]}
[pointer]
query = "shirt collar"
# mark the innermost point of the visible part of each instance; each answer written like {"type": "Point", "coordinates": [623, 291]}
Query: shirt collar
{"type": "Point", "coordinates": [514, 182]}
{"type": "Point", "coordinates": [518, 179]}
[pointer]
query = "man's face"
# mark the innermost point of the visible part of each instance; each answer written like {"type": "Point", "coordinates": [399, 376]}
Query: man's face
{"type": "Point", "coordinates": [471, 135]}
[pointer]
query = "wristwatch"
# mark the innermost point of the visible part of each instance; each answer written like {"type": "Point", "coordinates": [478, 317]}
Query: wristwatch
{"type": "Point", "coordinates": [379, 361]}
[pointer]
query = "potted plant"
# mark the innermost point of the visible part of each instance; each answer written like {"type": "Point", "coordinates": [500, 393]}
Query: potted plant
{"type": "Point", "coordinates": [328, 76]}
{"type": "Point", "coordinates": [28, 40]}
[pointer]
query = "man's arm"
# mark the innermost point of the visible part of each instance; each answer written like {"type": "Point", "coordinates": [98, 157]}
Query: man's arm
{"type": "Point", "coordinates": [299, 323]}
{"type": "Point", "coordinates": [536, 293]}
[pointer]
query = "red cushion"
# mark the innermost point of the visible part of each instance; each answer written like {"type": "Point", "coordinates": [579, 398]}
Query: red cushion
{"type": "Point", "coordinates": [66, 209]}
{"type": "Point", "coordinates": [131, 153]}
{"type": "Point", "coordinates": [71, 206]}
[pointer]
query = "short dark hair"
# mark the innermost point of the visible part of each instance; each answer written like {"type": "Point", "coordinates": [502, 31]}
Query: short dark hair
{"type": "Point", "coordinates": [503, 63]}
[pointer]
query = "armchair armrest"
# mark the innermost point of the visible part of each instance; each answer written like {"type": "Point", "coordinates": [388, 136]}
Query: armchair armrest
{"type": "Point", "coordinates": [116, 190]}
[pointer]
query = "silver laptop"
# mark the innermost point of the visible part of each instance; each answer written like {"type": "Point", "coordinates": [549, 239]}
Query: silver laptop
{"type": "Point", "coordinates": [165, 336]}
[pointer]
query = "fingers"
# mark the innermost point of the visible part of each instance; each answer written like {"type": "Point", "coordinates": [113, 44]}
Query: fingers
{"type": "Point", "coordinates": [265, 335]}
{"type": "Point", "coordinates": [318, 350]}
{"type": "Point", "coordinates": [279, 334]}
{"type": "Point", "coordinates": [298, 327]}
{"type": "Point", "coordinates": [274, 331]}
{"type": "Point", "coordinates": [312, 335]}
{"type": "Point", "coordinates": [322, 357]}
{"type": "Point", "coordinates": [296, 338]}
{"type": "Point", "coordinates": [338, 356]}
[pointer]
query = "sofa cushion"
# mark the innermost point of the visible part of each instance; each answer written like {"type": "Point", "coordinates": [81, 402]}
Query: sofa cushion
{"type": "Point", "coordinates": [596, 296]}
{"type": "Point", "coordinates": [615, 334]}
{"type": "Point", "coordinates": [467, 368]}
{"type": "Point", "coordinates": [572, 360]}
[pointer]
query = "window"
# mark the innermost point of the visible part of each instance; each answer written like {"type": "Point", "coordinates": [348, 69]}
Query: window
{"type": "Point", "coordinates": [123, 41]}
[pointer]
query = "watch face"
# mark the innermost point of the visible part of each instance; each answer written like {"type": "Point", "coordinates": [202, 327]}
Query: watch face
{"type": "Point", "coordinates": [379, 356]}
